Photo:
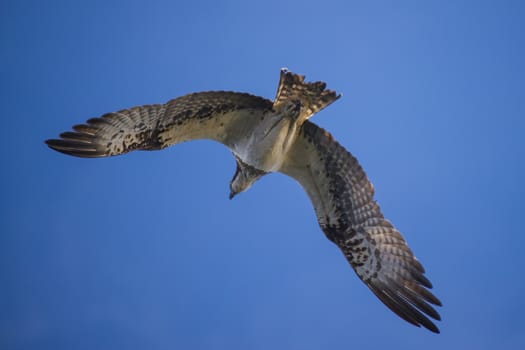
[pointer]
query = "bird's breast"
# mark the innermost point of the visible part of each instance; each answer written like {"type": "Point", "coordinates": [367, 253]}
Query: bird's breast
{"type": "Point", "coordinates": [267, 146]}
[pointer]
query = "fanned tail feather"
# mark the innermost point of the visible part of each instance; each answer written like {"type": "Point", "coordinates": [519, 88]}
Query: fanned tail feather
{"type": "Point", "coordinates": [313, 96]}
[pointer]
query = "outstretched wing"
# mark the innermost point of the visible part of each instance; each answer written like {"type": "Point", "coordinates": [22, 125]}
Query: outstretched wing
{"type": "Point", "coordinates": [343, 200]}
{"type": "Point", "coordinates": [218, 115]}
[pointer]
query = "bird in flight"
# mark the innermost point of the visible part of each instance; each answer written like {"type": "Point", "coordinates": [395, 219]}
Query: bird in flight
{"type": "Point", "coordinates": [276, 136]}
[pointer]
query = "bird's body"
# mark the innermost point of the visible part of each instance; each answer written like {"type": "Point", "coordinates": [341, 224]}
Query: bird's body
{"type": "Point", "coordinates": [269, 136]}
{"type": "Point", "coordinates": [266, 150]}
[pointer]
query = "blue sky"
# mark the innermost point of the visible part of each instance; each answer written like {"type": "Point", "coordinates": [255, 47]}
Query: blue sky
{"type": "Point", "coordinates": [146, 251]}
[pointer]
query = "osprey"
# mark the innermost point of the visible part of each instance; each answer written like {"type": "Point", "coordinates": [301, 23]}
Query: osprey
{"type": "Point", "coordinates": [277, 136]}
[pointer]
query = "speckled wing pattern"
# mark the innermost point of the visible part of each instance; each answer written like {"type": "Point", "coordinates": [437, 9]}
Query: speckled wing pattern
{"type": "Point", "coordinates": [205, 115]}
{"type": "Point", "coordinates": [343, 200]}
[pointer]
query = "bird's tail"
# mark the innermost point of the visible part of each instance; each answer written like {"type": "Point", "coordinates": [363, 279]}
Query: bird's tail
{"type": "Point", "coordinates": [312, 97]}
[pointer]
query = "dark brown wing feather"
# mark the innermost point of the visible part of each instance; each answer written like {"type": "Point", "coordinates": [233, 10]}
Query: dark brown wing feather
{"type": "Point", "coordinates": [343, 199]}
{"type": "Point", "coordinates": [205, 115]}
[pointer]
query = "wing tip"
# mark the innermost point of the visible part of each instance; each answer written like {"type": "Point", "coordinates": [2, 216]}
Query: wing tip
{"type": "Point", "coordinates": [409, 301]}
{"type": "Point", "coordinates": [433, 328]}
{"type": "Point", "coordinates": [74, 148]}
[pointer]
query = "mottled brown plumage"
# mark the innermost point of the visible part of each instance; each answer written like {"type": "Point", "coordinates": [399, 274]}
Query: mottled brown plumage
{"type": "Point", "coordinates": [268, 136]}
{"type": "Point", "coordinates": [343, 199]}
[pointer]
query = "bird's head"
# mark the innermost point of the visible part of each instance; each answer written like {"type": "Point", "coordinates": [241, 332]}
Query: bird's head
{"type": "Point", "coordinates": [244, 177]}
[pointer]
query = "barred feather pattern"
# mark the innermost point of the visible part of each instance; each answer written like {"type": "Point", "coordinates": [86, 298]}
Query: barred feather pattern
{"type": "Point", "coordinates": [343, 198]}
{"type": "Point", "coordinates": [312, 96]}
{"type": "Point", "coordinates": [203, 115]}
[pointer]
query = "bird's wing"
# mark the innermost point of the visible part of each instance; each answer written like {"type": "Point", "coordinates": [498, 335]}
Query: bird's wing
{"type": "Point", "coordinates": [217, 115]}
{"type": "Point", "coordinates": [343, 200]}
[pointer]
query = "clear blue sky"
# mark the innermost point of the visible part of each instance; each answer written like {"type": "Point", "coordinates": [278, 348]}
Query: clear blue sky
{"type": "Point", "coordinates": [145, 251]}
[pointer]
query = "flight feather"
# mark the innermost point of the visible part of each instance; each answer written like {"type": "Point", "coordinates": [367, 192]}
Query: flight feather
{"type": "Point", "coordinates": [343, 199]}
